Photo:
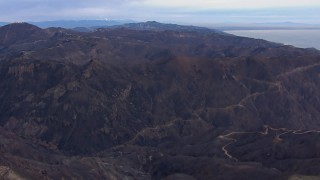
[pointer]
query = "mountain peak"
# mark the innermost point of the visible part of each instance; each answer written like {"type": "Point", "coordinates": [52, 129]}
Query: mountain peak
{"type": "Point", "coordinates": [153, 22]}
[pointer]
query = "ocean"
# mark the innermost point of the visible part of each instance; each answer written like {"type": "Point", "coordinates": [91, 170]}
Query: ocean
{"type": "Point", "coordinates": [305, 38]}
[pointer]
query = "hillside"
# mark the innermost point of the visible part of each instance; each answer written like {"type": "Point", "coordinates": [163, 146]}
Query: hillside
{"type": "Point", "coordinates": [160, 102]}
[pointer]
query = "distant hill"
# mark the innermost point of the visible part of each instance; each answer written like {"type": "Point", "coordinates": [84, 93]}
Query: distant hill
{"type": "Point", "coordinates": [77, 23]}
{"type": "Point", "coordinates": [154, 25]}
{"type": "Point", "coordinates": [91, 25]}
{"type": "Point", "coordinates": [81, 23]}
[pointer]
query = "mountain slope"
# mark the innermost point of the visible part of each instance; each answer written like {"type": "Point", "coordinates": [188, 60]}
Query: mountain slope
{"type": "Point", "coordinates": [156, 104]}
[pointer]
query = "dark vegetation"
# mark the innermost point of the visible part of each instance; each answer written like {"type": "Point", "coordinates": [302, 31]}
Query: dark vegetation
{"type": "Point", "coordinates": [145, 101]}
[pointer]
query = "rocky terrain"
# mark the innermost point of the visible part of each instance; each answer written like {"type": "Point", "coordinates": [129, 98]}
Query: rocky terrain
{"type": "Point", "coordinates": [156, 101]}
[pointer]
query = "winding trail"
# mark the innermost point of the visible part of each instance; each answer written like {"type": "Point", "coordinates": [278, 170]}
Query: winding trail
{"type": "Point", "coordinates": [266, 131]}
{"type": "Point", "coordinates": [227, 137]}
{"type": "Point", "coordinates": [226, 152]}
{"type": "Point", "coordinates": [267, 128]}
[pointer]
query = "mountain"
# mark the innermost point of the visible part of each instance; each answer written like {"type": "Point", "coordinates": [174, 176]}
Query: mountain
{"type": "Point", "coordinates": [156, 26]}
{"type": "Point", "coordinates": [21, 32]}
{"type": "Point", "coordinates": [80, 23]}
{"type": "Point", "coordinates": [155, 101]}
{"type": "Point", "coordinates": [76, 23]}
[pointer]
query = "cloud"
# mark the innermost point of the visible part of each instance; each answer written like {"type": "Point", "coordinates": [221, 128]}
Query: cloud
{"type": "Point", "coordinates": [192, 11]}
{"type": "Point", "coordinates": [230, 4]}
{"type": "Point", "coordinates": [55, 9]}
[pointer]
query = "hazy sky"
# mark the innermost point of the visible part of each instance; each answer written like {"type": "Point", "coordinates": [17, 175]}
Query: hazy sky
{"type": "Point", "coordinates": [185, 11]}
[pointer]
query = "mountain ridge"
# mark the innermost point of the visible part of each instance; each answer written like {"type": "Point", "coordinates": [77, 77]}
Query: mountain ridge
{"type": "Point", "coordinates": [75, 23]}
